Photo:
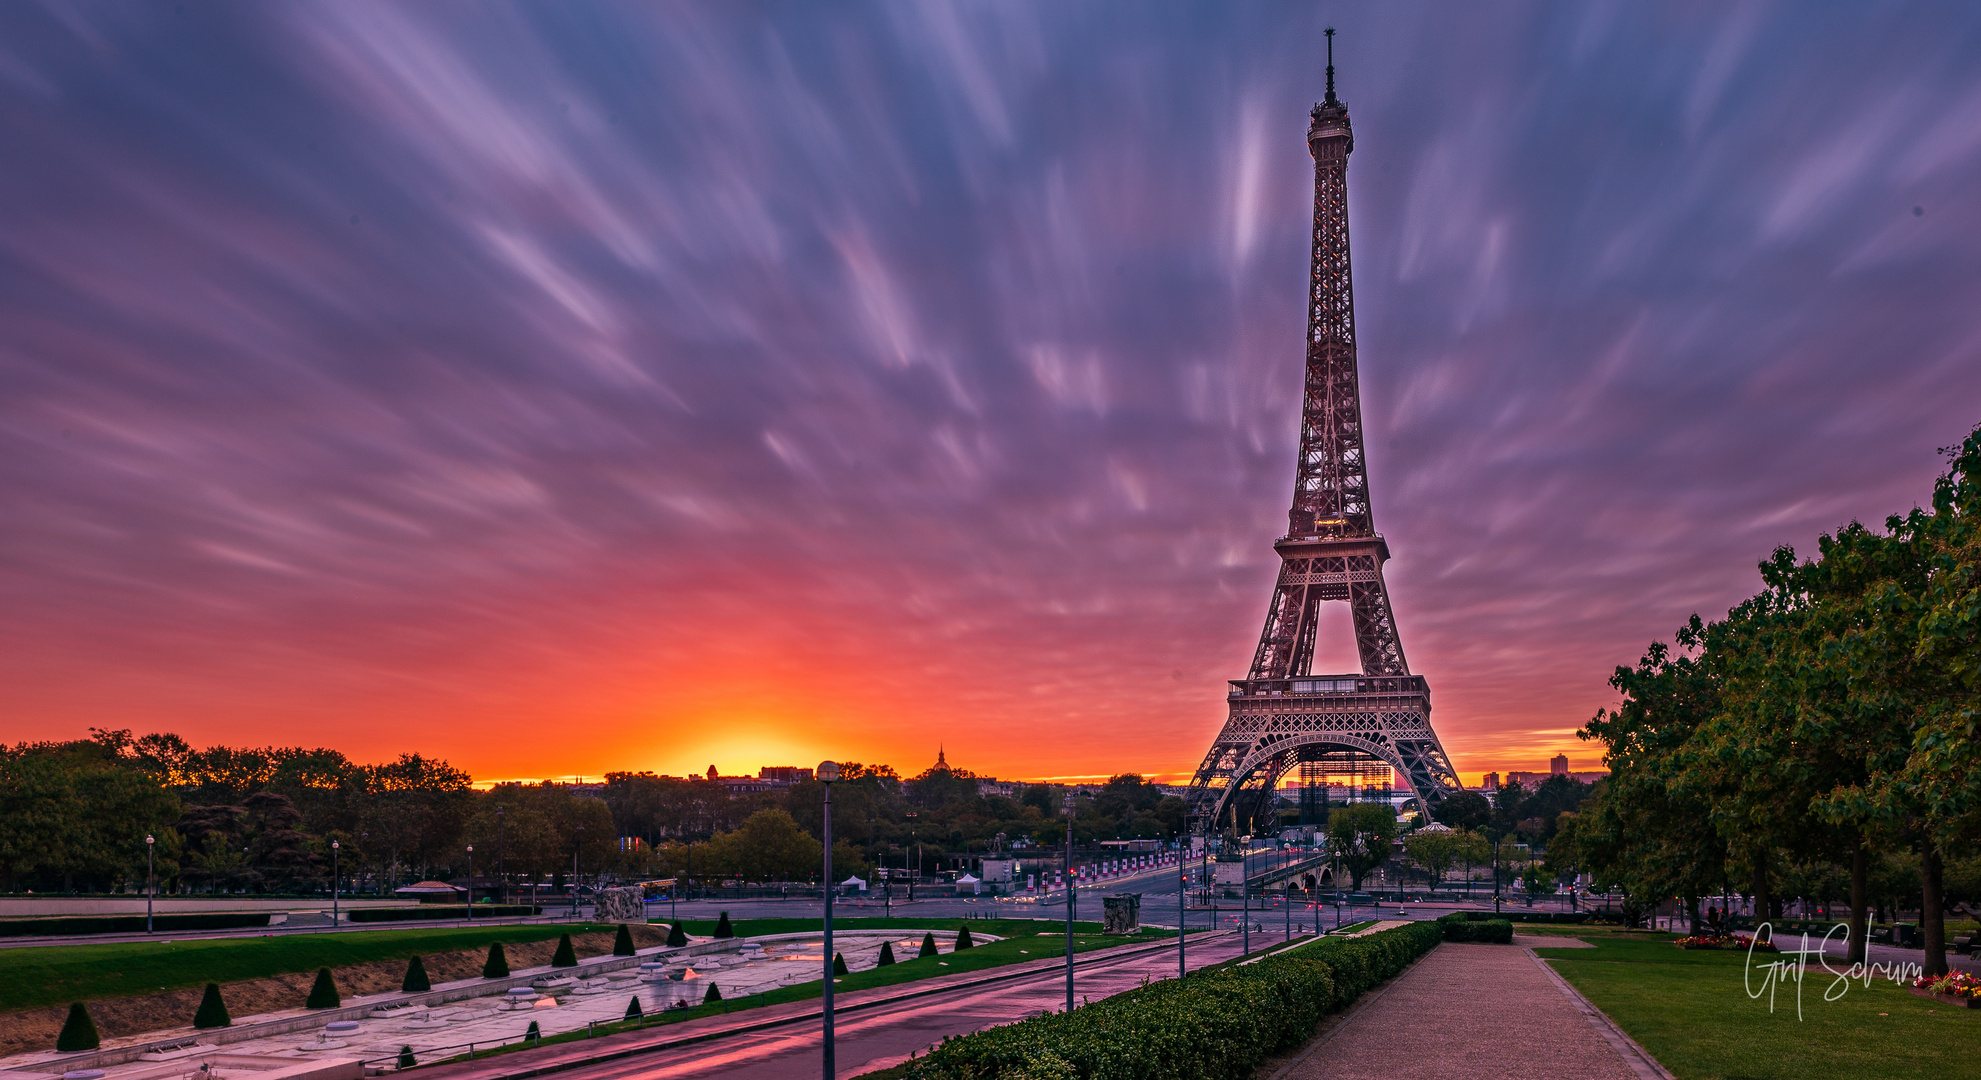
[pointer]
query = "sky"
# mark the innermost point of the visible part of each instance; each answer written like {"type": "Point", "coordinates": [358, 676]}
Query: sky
{"type": "Point", "coordinates": [565, 388]}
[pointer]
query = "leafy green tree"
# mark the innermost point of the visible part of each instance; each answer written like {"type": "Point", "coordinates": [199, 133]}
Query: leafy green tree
{"type": "Point", "coordinates": [1434, 850]}
{"type": "Point", "coordinates": [1359, 836]}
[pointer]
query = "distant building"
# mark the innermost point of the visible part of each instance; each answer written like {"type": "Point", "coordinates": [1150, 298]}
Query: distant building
{"type": "Point", "coordinates": [1532, 780]}
{"type": "Point", "coordinates": [987, 786]}
{"type": "Point", "coordinates": [1558, 765]}
{"type": "Point", "coordinates": [1492, 782]}
{"type": "Point", "coordinates": [785, 774]}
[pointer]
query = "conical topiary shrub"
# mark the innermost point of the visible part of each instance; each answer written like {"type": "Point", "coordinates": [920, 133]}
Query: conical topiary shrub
{"type": "Point", "coordinates": [633, 1009]}
{"type": "Point", "coordinates": [839, 963]}
{"type": "Point", "coordinates": [534, 1033]}
{"type": "Point", "coordinates": [886, 954]}
{"type": "Point", "coordinates": [565, 956]}
{"type": "Point", "coordinates": [416, 981]}
{"type": "Point", "coordinates": [963, 938]}
{"type": "Point", "coordinates": [212, 1011]}
{"type": "Point", "coordinates": [722, 927]}
{"type": "Point", "coordinates": [677, 937]}
{"type": "Point", "coordinates": [622, 942]}
{"type": "Point", "coordinates": [928, 946]}
{"type": "Point", "coordinates": [497, 966]}
{"type": "Point", "coordinates": [714, 994]}
{"type": "Point", "coordinates": [406, 1059]}
{"type": "Point", "coordinates": [78, 1032]}
{"type": "Point", "coordinates": [323, 994]}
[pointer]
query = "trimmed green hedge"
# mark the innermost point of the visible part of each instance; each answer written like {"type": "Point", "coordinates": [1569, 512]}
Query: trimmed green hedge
{"type": "Point", "coordinates": [442, 911]}
{"type": "Point", "coordinates": [126, 924]}
{"type": "Point", "coordinates": [1572, 917]}
{"type": "Point", "coordinates": [1459, 928]}
{"type": "Point", "coordinates": [1217, 1025]}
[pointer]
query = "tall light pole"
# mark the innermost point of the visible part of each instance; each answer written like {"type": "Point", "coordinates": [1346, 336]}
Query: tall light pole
{"type": "Point", "coordinates": [333, 884]}
{"type": "Point", "coordinates": [471, 882]}
{"type": "Point", "coordinates": [1072, 900]}
{"type": "Point", "coordinates": [501, 870]}
{"type": "Point", "coordinates": [1182, 892]}
{"type": "Point", "coordinates": [150, 842]}
{"type": "Point", "coordinates": [828, 774]}
{"type": "Point", "coordinates": [577, 865]}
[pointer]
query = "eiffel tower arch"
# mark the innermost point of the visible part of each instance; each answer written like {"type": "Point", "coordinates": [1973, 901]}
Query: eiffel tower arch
{"type": "Point", "coordinates": [1281, 714]}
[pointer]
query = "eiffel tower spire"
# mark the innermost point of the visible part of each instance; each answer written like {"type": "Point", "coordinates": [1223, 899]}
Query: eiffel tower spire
{"type": "Point", "coordinates": [1331, 552]}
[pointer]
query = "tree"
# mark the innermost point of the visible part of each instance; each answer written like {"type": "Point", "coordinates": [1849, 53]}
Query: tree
{"type": "Point", "coordinates": [416, 981]}
{"type": "Point", "coordinates": [676, 936]}
{"type": "Point", "coordinates": [212, 1011]}
{"type": "Point", "coordinates": [622, 942]}
{"type": "Point", "coordinates": [928, 946]}
{"type": "Point", "coordinates": [838, 964]}
{"type": "Point", "coordinates": [1472, 850]}
{"type": "Point", "coordinates": [1463, 810]}
{"type": "Point", "coordinates": [1359, 836]}
{"type": "Point", "coordinates": [78, 1031]}
{"type": "Point", "coordinates": [886, 954]}
{"type": "Point", "coordinates": [497, 965]}
{"type": "Point", "coordinates": [1434, 850]}
{"type": "Point", "coordinates": [633, 1008]}
{"type": "Point", "coordinates": [323, 993]}
{"type": "Point", "coordinates": [565, 956]}
{"type": "Point", "coordinates": [722, 927]}
{"type": "Point", "coordinates": [714, 994]}
{"type": "Point", "coordinates": [963, 938]}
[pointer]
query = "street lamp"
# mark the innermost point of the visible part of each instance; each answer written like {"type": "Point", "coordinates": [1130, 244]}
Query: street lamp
{"type": "Point", "coordinates": [150, 842]}
{"type": "Point", "coordinates": [577, 869]}
{"type": "Point", "coordinates": [333, 884]}
{"type": "Point", "coordinates": [828, 774]}
{"type": "Point", "coordinates": [1182, 891]}
{"type": "Point", "coordinates": [471, 882]}
{"type": "Point", "coordinates": [501, 872]}
{"type": "Point", "coordinates": [1072, 898]}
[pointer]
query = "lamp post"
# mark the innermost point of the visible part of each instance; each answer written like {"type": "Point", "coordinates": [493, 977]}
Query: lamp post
{"type": "Point", "coordinates": [577, 865]}
{"type": "Point", "coordinates": [1182, 892]}
{"type": "Point", "coordinates": [501, 870]}
{"type": "Point", "coordinates": [333, 884]}
{"type": "Point", "coordinates": [471, 882]}
{"type": "Point", "coordinates": [1072, 900]}
{"type": "Point", "coordinates": [828, 774]}
{"type": "Point", "coordinates": [150, 842]}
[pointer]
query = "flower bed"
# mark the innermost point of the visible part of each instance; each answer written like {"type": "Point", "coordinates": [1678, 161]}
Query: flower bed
{"type": "Point", "coordinates": [1215, 1025]}
{"type": "Point", "coordinates": [1955, 988]}
{"type": "Point", "coordinates": [1729, 942]}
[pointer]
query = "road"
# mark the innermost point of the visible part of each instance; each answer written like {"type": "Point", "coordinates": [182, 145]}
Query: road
{"type": "Point", "coordinates": [874, 1029]}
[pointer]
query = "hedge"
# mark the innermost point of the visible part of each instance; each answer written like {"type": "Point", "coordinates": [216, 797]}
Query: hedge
{"type": "Point", "coordinates": [125, 924]}
{"type": "Point", "coordinates": [1457, 927]}
{"type": "Point", "coordinates": [442, 911]}
{"type": "Point", "coordinates": [1216, 1025]}
{"type": "Point", "coordinates": [1572, 917]}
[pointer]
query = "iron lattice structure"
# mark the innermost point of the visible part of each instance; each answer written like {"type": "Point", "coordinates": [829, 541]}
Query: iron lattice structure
{"type": "Point", "coordinates": [1282, 714]}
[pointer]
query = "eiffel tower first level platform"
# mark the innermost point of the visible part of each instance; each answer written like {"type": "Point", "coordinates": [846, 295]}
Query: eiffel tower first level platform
{"type": "Point", "coordinates": [1283, 716]}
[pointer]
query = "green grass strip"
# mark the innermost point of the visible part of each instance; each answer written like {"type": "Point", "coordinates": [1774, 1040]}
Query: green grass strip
{"type": "Point", "coordinates": [1692, 1012]}
{"type": "Point", "coordinates": [35, 976]}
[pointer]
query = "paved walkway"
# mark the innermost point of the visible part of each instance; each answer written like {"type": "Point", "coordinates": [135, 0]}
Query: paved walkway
{"type": "Point", "coordinates": [1483, 1012]}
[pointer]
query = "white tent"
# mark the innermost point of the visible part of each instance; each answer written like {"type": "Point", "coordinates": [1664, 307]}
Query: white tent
{"type": "Point", "coordinates": [856, 881]}
{"type": "Point", "coordinates": [968, 879]}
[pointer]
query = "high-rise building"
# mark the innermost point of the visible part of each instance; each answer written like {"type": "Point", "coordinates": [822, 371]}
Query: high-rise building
{"type": "Point", "coordinates": [1558, 765]}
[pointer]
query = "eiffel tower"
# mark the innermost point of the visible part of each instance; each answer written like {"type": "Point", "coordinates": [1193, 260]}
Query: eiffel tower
{"type": "Point", "coordinates": [1282, 715]}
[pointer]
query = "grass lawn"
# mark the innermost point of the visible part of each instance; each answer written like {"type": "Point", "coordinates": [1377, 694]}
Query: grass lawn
{"type": "Point", "coordinates": [993, 927]}
{"type": "Point", "coordinates": [1012, 950]}
{"type": "Point", "coordinates": [32, 976]}
{"type": "Point", "coordinates": [1691, 1011]}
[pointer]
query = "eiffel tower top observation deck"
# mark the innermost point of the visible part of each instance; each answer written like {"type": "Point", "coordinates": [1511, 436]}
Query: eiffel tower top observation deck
{"type": "Point", "coordinates": [1280, 714]}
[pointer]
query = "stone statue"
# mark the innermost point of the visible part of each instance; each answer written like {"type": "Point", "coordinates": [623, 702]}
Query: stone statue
{"type": "Point", "coordinates": [621, 905]}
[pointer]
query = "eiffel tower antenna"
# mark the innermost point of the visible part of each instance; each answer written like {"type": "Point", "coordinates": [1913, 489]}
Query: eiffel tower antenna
{"type": "Point", "coordinates": [1374, 721]}
{"type": "Point", "coordinates": [1331, 98]}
